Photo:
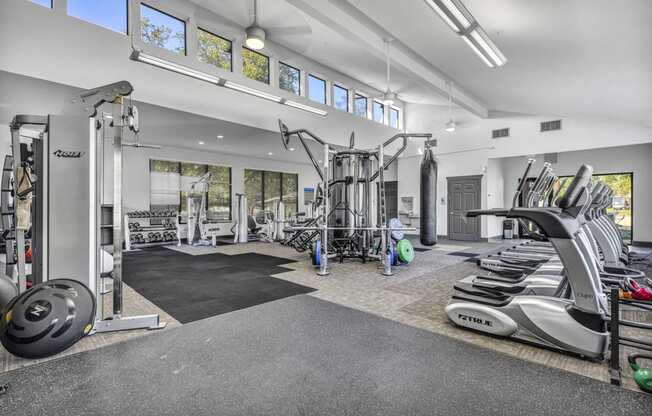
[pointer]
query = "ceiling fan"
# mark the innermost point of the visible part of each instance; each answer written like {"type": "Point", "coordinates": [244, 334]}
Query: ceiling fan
{"type": "Point", "coordinates": [256, 34]}
{"type": "Point", "coordinates": [389, 97]}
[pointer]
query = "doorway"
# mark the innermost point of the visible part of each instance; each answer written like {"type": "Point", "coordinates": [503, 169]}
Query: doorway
{"type": "Point", "coordinates": [463, 195]}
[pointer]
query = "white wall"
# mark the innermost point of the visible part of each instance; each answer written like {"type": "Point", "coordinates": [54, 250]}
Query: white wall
{"type": "Point", "coordinates": [471, 151]}
{"type": "Point", "coordinates": [636, 159]}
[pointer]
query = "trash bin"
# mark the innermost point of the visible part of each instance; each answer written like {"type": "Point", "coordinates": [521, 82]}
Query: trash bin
{"type": "Point", "coordinates": [508, 229]}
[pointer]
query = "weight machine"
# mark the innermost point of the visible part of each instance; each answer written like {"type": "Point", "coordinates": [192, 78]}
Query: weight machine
{"type": "Point", "coordinates": [350, 221]}
{"type": "Point", "coordinates": [72, 229]}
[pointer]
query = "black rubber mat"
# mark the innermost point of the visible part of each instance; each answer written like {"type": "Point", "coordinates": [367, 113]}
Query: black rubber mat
{"type": "Point", "coordinates": [463, 254]}
{"type": "Point", "coordinates": [305, 356]}
{"type": "Point", "coordinates": [196, 287]}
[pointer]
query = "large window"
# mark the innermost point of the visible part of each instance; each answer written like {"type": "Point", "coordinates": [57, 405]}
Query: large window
{"type": "Point", "coordinates": [170, 182]}
{"type": "Point", "coordinates": [162, 30]}
{"type": "Point", "coordinates": [340, 98]}
{"type": "Point", "coordinates": [289, 78]}
{"type": "Point", "coordinates": [44, 3]}
{"type": "Point", "coordinates": [263, 189]}
{"type": "Point", "coordinates": [360, 105]}
{"type": "Point", "coordinates": [379, 112]}
{"type": "Point", "coordinates": [316, 89]}
{"type": "Point", "coordinates": [111, 14]}
{"type": "Point", "coordinates": [214, 50]}
{"type": "Point", "coordinates": [394, 116]}
{"type": "Point", "coordinates": [255, 65]}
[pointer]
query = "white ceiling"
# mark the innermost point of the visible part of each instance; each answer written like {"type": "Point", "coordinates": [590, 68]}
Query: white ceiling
{"type": "Point", "coordinates": [567, 57]}
{"type": "Point", "coordinates": [588, 58]}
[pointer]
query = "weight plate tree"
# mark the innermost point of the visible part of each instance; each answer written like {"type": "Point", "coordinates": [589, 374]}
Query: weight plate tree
{"type": "Point", "coordinates": [48, 318]}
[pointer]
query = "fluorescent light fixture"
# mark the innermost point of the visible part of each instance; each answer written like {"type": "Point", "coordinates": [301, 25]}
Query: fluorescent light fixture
{"type": "Point", "coordinates": [305, 107]}
{"type": "Point", "coordinates": [252, 91]}
{"type": "Point", "coordinates": [457, 16]}
{"type": "Point", "coordinates": [270, 154]}
{"type": "Point", "coordinates": [485, 43]}
{"type": "Point", "coordinates": [478, 52]}
{"type": "Point", "coordinates": [291, 149]}
{"type": "Point", "coordinates": [220, 137]}
{"type": "Point", "coordinates": [450, 126]}
{"type": "Point", "coordinates": [453, 13]}
{"type": "Point", "coordinates": [184, 70]}
{"type": "Point", "coordinates": [200, 142]}
{"type": "Point", "coordinates": [171, 66]}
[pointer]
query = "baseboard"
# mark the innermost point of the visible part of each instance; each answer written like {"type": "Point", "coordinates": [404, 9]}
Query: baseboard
{"type": "Point", "coordinates": [642, 243]}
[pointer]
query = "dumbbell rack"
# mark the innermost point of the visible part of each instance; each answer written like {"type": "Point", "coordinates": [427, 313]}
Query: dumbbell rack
{"type": "Point", "coordinates": [145, 229]}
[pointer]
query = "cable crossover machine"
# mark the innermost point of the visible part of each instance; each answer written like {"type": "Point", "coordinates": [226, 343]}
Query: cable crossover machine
{"type": "Point", "coordinates": [350, 220]}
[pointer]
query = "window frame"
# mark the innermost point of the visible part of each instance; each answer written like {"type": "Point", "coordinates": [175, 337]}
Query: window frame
{"type": "Point", "coordinates": [127, 17]}
{"type": "Point", "coordinates": [179, 171]}
{"type": "Point", "coordinates": [357, 95]}
{"type": "Point", "coordinates": [269, 65]}
{"type": "Point", "coordinates": [147, 4]}
{"type": "Point", "coordinates": [373, 118]}
{"type": "Point", "coordinates": [312, 74]}
{"type": "Point", "coordinates": [51, 7]}
{"type": "Point", "coordinates": [201, 28]}
{"type": "Point", "coordinates": [348, 96]}
{"type": "Point", "coordinates": [278, 66]}
{"type": "Point", "coordinates": [262, 186]}
{"type": "Point", "coordinates": [398, 117]}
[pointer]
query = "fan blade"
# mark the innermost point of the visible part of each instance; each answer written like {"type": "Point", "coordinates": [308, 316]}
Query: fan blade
{"type": "Point", "coordinates": [289, 31]}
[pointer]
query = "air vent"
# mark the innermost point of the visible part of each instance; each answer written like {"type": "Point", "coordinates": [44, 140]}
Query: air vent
{"type": "Point", "coordinates": [551, 125]}
{"type": "Point", "coordinates": [497, 134]}
{"type": "Point", "coordinates": [551, 157]}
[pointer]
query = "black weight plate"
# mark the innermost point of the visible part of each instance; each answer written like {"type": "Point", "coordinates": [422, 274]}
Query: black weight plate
{"type": "Point", "coordinates": [48, 318]}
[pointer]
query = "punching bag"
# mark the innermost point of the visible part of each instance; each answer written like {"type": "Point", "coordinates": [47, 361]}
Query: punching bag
{"type": "Point", "coordinates": [428, 232]}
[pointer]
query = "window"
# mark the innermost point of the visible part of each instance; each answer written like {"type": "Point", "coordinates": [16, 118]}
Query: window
{"type": "Point", "coordinates": [290, 189]}
{"type": "Point", "coordinates": [340, 98]}
{"type": "Point", "coordinates": [219, 193]}
{"type": "Point", "coordinates": [316, 89]}
{"type": "Point", "coordinates": [170, 182]}
{"type": "Point", "coordinates": [162, 30]}
{"type": "Point", "coordinates": [360, 105]}
{"type": "Point", "coordinates": [263, 189]}
{"type": "Point", "coordinates": [289, 78]}
{"type": "Point", "coordinates": [379, 112]}
{"type": "Point", "coordinates": [111, 14]}
{"type": "Point", "coordinates": [44, 3]}
{"type": "Point", "coordinates": [394, 117]}
{"type": "Point", "coordinates": [214, 50]}
{"type": "Point", "coordinates": [621, 208]}
{"type": "Point", "coordinates": [255, 65]}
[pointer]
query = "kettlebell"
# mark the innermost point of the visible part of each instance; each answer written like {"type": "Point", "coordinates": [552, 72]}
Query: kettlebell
{"type": "Point", "coordinates": [642, 376]}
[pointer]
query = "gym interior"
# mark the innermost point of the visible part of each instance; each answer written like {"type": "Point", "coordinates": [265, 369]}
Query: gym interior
{"type": "Point", "coordinates": [352, 207]}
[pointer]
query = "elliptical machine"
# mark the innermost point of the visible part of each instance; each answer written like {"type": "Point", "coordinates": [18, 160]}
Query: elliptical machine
{"type": "Point", "coordinates": [574, 321]}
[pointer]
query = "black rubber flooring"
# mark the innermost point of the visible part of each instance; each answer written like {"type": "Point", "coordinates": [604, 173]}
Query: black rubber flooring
{"type": "Point", "coordinates": [305, 356]}
{"type": "Point", "coordinates": [463, 254]}
{"type": "Point", "coordinates": [196, 287]}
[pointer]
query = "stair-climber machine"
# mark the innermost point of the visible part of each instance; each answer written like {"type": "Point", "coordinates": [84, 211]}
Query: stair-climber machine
{"type": "Point", "coordinates": [351, 218]}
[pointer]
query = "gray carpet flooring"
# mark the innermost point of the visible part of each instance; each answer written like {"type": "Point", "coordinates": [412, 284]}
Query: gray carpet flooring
{"type": "Point", "coordinates": [304, 356]}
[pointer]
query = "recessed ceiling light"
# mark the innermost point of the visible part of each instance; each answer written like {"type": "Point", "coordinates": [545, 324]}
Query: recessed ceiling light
{"type": "Point", "coordinates": [291, 149]}
{"type": "Point", "coordinates": [200, 142]}
{"type": "Point", "coordinates": [270, 154]}
{"type": "Point", "coordinates": [219, 136]}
